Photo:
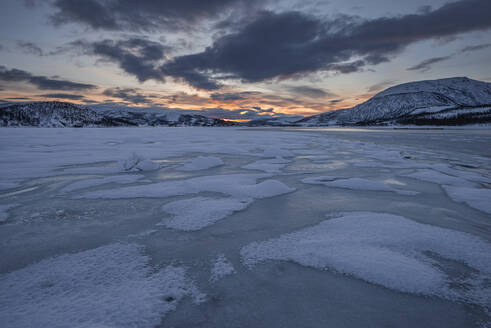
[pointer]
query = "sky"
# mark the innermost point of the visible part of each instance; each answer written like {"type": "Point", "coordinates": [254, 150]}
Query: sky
{"type": "Point", "coordinates": [235, 59]}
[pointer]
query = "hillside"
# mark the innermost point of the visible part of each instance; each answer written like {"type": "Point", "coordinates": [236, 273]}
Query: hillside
{"type": "Point", "coordinates": [452, 101]}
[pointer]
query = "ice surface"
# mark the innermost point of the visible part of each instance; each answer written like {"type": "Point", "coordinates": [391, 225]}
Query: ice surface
{"type": "Point", "coordinates": [110, 286]}
{"type": "Point", "coordinates": [221, 267]}
{"type": "Point", "coordinates": [4, 215]}
{"type": "Point", "coordinates": [212, 215]}
{"type": "Point", "coordinates": [137, 162]}
{"type": "Point", "coordinates": [383, 249]}
{"type": "Point", "coordinates": [478, 198]}
{"type": "Point", "coordinates": [356, 184]}
{"type": "Point", "coordinates": [237, 185]}
{"type": "Point", "coordinates": [438, 177]}
{"type": "Point", "coordinates": [201, 163]}
{"type": "Point", "coordinates": [121, 179]}
{"type": "Point", "coordinates": [273, 165]}
{"type": "Point", "coordinates": [197, 213]}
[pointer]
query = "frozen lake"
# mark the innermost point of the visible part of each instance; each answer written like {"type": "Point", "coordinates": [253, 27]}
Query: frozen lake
{"type": "Point", "coordinates": [230, 227]}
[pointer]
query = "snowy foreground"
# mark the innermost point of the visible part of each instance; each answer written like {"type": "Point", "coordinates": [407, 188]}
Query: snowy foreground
{"type": "Point", "coordinates": [228, 227]}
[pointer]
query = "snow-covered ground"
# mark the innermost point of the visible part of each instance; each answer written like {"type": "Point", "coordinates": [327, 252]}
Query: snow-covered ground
{"type": "Point", "coordinates": [231, 227]}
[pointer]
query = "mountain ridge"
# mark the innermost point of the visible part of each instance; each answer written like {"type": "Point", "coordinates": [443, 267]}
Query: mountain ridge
{"type": "Point", "coordinates": [417, 103]}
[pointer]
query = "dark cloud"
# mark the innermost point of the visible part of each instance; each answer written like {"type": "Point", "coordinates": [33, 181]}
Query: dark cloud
{"type": "Point", "coordinates": [62, 96]}
{"type": "Point", "coordinates": [143, 14]}
{"type": "Point", "coordinates": [425, 65]}
{"type": "Point", "coordinates": [41, 82]}
{"type": "Point", "coordinates": [476, 47]}
{"type": "Point", "coordinates": [335, 101]}
{"type": "Point", "coordinates": [282, 45]}
{"type": "Point", "coordinates": [239, 114]}
{"type": "Point", "coordinates": [311, 92]}
{"type": "Point", "coordinates": [18, 98]}
{"type": "Point", "coordinates": [2, 47]}
{"type": "Point", "coordinates": [230, 97]}
{"type": "Point", "coordinates": [135, 56]}
{"type": "Point", "coordinates": [30, 48]}
{"type": "Point", "coordinates": [129, 95]}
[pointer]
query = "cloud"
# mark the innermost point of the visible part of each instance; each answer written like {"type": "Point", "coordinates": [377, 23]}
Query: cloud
{"type": "Point", "coordinates": [476, 47]}
{"type": "Point", "coordinates": [41, 82]}
{"type": "Point", "coordinates": [311, 92]}
{"type": "Point", "coordinates": [129, 95]}
{"type": "Point", "coordinates": [62, 96]}
{"type": "Point", "coordinates": [283, 45]}
{"type": "Point", "coordinates": [136, 56]}
{"type": "Point", "coordinates": [143, 14]}
{"type": "Point", "coordinates": [425, 65]}
{"type": "Point", "coordinates": [231, 97]}
{"type": "Point", "coordinates": [30, 48]}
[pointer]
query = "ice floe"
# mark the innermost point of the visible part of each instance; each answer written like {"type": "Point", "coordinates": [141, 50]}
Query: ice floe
{"type": "Point", "coordinates": [110, 286]}
{"type": "Point", "coordinates": [387, 250]}
{"type": "Point", "coordinates": [201, 163]}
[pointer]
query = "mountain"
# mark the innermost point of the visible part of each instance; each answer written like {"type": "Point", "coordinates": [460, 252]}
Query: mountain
{"type": "Point", "coordinates": [452, 101]}
{"type": "Point", "coordinates": [60, 114]}
{"type": "Point", "coordinates": [287, 120]}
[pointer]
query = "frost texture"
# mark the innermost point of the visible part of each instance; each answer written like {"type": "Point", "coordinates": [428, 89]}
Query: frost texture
{"type": "Point", "coordinates": [386, 250]}
{"type": "Point", "coordinates": [221, 267]}
{"type": "Point", "coordinates": [110, 286]}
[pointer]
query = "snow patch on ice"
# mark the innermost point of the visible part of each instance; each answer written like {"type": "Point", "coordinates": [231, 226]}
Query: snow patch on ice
{"type": "Point", "coordinates": [387, 250]}
{"type": "Point", "coordinates": [199, 212]}
{"type": "Point", "coordinates": [110, 286]}
{"type": "Point", "coordinates": [201, 163]}
{"type": "Point", "coordinates": [478, 198]}
{"type": "Point", "coordinates": [136, 162]}
{"type": "Point", "coordinates": [121, 179]}
{"type": "Point", "coordinates": [221, 267]}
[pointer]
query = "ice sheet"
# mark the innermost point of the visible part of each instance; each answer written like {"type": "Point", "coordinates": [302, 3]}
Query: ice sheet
{"type": "Point", "coordinates": [121, 179]}
{"type": "Point", "coordinates": [273, 165]}
{"type": "Point", "coordinates": [237, 185]}
{"type": "Point", "coordinates": [201, 163]}
{"type": "Point", "coordinates": [356, 184]}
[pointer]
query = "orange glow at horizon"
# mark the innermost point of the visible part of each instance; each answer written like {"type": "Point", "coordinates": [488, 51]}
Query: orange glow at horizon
{"type": "Point", "coordinates": [186, 101]}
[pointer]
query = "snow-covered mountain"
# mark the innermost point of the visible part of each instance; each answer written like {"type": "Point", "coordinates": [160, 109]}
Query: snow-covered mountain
{"type": "Point", "coordinates": [60, 114]}
{"type": "Point", "coordinates": [451, 101]}
{"type": "Point", "coordinates": [286, 120]}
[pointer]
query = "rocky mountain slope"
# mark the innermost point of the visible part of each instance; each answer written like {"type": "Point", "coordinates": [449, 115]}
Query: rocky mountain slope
{"type": "Point", "coordinates": [452, 101]}
{"type": "Point", "coordinates": [60, 114]}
